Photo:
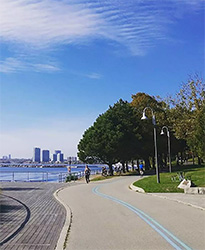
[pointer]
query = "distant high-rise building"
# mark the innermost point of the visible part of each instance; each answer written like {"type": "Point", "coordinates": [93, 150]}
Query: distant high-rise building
{"type": "Point", "coordinates": [45, 156]}
{"type": "Point", "coordinates": [54, 158]}
{"type": "Point", "coordinates": [9, 156]}
{"type": "Point", "coordinates": [57, 151]}
{"type": "Point", "coordinates": [60, 157]}
{"type": "Point", "coordinates": [37, 155]}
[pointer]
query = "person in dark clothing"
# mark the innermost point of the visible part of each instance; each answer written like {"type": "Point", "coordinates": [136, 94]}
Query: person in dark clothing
{"type": "Point", "coordinates": [87, 174]}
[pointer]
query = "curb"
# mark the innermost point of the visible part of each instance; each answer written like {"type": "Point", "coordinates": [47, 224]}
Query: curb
{"type": "Point", "coordinates": [140, 190]}
{"type": "Point", "coordinates": [64, 232]}
{"type": "Point", "coordinates": [136, 189]}
{"type": "Point", "coordinates": [182, 202]}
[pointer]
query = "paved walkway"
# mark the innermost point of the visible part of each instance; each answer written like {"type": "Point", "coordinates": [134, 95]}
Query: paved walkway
{"type": "Point", "coordinates": [30, 216]}
{"type": "Point", "coordinates": [193, 200]}
{"type": "Point", "coordinates": [108, 216]}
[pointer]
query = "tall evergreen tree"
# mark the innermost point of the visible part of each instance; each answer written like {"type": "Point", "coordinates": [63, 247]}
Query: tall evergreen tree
{"type": "Point", "coordinates": [113, 137]}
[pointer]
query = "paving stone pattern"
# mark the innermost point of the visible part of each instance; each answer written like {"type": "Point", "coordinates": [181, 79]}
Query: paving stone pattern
{"type": "Point", "coordinates": [30, 216]}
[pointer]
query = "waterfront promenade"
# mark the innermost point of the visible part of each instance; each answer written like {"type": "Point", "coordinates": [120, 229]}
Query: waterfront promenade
{"type": "Point", "coordinates": [30, 216]}
{"type": "Point", "coordinates": [101, 216]}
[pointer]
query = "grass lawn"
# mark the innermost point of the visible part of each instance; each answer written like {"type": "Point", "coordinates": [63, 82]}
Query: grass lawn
{"type": "Point", "coordinates": [166, 185]}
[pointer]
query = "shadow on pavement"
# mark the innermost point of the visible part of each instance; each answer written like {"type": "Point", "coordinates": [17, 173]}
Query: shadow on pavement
{"type": "Point", "coordinates": [4, 208]}
{"type": "Point", "coordinates": [19, 189]}
{"type": "Point", "coordinates": [12, 207]}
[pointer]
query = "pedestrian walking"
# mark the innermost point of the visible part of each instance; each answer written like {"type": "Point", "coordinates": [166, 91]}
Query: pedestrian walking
{"type": "Point", "coordinates": [141, 168]}
{"type": "Point", "coordinates": [87, 174]}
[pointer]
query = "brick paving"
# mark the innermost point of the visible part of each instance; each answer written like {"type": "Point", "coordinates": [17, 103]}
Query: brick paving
{"type": "Point", "coordinates": [30, 216]}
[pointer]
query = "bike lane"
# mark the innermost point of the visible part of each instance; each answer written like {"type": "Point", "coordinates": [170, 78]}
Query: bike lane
{"type": "Point", "coordinates": [110, 216]}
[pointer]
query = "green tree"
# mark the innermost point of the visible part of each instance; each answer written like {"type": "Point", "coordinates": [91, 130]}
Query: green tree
{"type": "Point", "coordinates": [186, 114]}
{"type": "Point", "coordinates": [113, 137]}
{"type": "Point", "coordinates": [139, 102]}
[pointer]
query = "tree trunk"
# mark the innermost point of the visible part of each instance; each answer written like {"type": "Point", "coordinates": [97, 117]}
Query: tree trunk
{"type": "Point", "coordinates": [123, 167]}
{"type": "Point", "coordinates": [153, 162]}
{"type": "Point", "coordinates": [138, 164]}
{"type": "Point", "coordinates": [182, 160]}
{"type": "Point", "coordinates": [110, 168]}
{"type": "Point", "coordinates": [160, 161]}
{"type": "Point", "coordinates": [177, 159]}
{"type": "Point", "coordinates": [133, 165]}
{"type": "Point", "coordinates": [127, 168]}
{"type": "Point", "coordinates": [147, 163]}
{"type": "Point", "coordinates": [199, 161]}
{"type": "Point", "coordinates": [193, 158]}
{"type": "Point", "coordinates": [165, 162]}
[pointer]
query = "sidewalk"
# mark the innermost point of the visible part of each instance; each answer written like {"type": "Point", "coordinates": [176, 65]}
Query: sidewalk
{"type": "Point", "coordinates": [30, 216]}
{"type": "Point", "coordinates": [194, 200]}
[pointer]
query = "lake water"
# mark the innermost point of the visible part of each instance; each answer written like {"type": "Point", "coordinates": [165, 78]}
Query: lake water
{"type": "Point", "coordinates": [45, 174]}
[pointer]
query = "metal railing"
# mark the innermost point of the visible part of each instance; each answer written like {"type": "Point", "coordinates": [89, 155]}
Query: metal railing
{"type": "Point", "coordinates": [16, 176]}
{"type": "Point", "coordinates": [31, 176]}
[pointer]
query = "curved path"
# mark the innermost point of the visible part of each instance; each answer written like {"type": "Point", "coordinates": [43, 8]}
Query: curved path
{"type": "Point", "coordinates": [30, 216]}
{"type": "Point", "coordinates": [108, 216]}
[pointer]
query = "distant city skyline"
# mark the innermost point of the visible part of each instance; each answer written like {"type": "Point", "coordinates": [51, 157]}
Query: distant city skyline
{"type": "Point", "coordinates": [63, 63]}
{"type": "Point", "coordinates": [43, 155]}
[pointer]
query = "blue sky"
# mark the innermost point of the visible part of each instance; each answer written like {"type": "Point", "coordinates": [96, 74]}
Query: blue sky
{"type": "Point", "coordinates": [63, 62]}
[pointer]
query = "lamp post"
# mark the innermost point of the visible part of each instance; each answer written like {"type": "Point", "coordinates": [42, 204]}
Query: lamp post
{"type": "Point", "coordinates": [169, 148]}
{"type": "Point", "coordinates": [155, 139]}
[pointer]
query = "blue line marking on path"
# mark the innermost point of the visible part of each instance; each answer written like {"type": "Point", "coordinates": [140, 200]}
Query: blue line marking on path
{"type": "Point", "coordinates": [149, 220]}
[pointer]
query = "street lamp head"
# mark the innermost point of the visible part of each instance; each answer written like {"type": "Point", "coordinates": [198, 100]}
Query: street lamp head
{"type": "Point", "coordinates": [162, 132]}
{"type": "Point", "coordinates": [144, 116]}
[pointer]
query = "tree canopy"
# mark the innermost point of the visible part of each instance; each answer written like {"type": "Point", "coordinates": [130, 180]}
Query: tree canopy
{"type": "Point", "coordinates": [113, 137]}
{"type": "Point", "coordinates": [119, 135]}
{"type": "Point", "coordinates": [187, 116]}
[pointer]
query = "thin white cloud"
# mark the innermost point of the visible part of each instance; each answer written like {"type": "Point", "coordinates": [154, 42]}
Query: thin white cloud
{"type": "Point", "coordinates": [94, 76]}
{"type": "Point", "coordinates": [13, 65]}
{"type": "Point", "coordinates": [45, 24]}
{"type": "Point", "coordinates": [46, 67]}
{"type": "Point", "coordinates": [42, 23]}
